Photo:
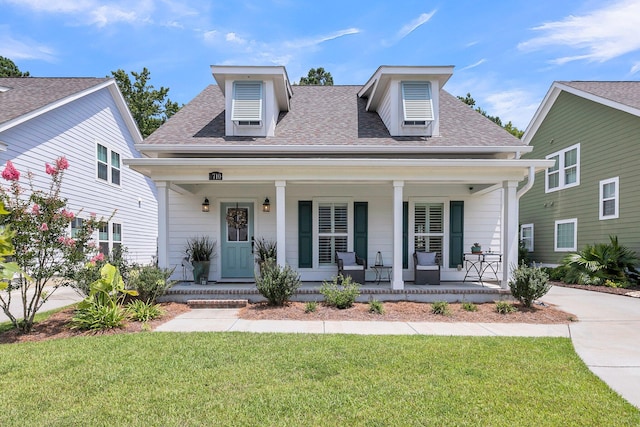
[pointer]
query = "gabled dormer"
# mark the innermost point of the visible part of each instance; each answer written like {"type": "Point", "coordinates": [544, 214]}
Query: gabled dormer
{"type": "Point", "coordinates": [254, 97]}
{"type": "Point", "coordinates": [407, 98]}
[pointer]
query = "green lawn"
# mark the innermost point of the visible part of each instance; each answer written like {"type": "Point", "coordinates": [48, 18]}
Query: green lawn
{"type": "Point", "coordinates": [243, 379]}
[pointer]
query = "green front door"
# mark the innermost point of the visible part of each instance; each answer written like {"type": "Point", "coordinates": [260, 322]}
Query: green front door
{"type": "Point", "coordinates": [237, 240]}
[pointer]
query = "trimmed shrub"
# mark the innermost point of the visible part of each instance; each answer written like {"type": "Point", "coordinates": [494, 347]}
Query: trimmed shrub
{"type": "Point", "coordinates": [529, 284]}
{"type": "Point", "coordinates": [150, 281]}
{"type": "Point", "coordinates": [340, 296]}
{"type": "Point", "coordinates": [440, 307]}
{"type": "Point", "coordinates": [376, 307]}
{"type": "Point", "coordinates": [505, 307]}
{"type": "Point", "coordinates": [277, 284]}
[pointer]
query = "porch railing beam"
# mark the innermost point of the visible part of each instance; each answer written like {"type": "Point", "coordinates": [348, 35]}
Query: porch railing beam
{"type": "Point", "coordinates": [397, 283]}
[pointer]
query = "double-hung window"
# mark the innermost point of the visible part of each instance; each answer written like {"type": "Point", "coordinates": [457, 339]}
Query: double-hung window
{"type": "Point", "coordinates": [566, 235]}
{"type": "Point", "coordinates": [103, 239]}
{"type": "Point", "coordinates": [76, 226]}
{"type": "Point", "coordinates": [333, 231]}
{"type": "Point", "coordinates": [417, 105]}
{"type": "Point", "coordinates": [526, 236]}
{"type": "Point", "coordinates": [609, 198]}
{"type": "Point", "coordinates": [116, 237]}
{"type": "Point", "coordinates": [108, 165]}
{"type": "Point", "coordinates": [246, 105]}
{"type": "Point", "coordinates": [429, 227]}
{"type": "Point", "coordinates": [565, 172]}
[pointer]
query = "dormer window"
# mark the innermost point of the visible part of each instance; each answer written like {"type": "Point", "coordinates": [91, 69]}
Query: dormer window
{"type": "Point", "coordinates": [417, 105]}
{"type": "Point", "coordinates": [246, 107]}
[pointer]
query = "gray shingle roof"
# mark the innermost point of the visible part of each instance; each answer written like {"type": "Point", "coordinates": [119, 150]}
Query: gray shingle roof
{"type": "Point", "coordinates": [627, 93]}
{"type": "Point", "coordinates": [331, 116]}
{"type": "Point", "coordinates": [27, 94]}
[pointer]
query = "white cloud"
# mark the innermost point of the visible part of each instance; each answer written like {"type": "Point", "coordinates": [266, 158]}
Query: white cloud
{"type": "Point", "coordinates": [474, 65]}
{"type": "Point", "coordinates": [600, 35]}
{"type": "Point", "coordinates": [24, 48]}
{"type": "Point", "coordinates": [253, 51]}
{"type": "Point", "coordinates": [409, 28]}
{"type": "Point", "coordinates": [634, 68]}
{"type": "Point", "coordinates": [105, 15]}
{"type": "Point", "coordinates": [514, 105]}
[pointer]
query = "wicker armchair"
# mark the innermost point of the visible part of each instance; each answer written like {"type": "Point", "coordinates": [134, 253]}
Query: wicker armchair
{"type": "Point", "coordinates": [350, 264]}
{"type": "Point", "coordinates": [426, 267]}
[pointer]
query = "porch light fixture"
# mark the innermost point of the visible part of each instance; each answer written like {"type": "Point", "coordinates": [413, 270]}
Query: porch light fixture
{"type": "Point", "coordinates": [205, 205]}
{"type": "Point", "coordinates": [266, 206]}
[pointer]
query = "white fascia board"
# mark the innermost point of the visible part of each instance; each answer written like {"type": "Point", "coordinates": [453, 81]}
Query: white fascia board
{"type": "Point", "coordinates": [151, 149]}
{"type": "Point", "coordinates": [49, 107]}
{"type": "Point", "coordinates": [125, 112]}
{"type": "Point", "coordinates": [191, 164]}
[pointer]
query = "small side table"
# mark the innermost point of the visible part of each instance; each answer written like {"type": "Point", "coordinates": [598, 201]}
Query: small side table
{"type": "Point", "coordinates": [380, 270]}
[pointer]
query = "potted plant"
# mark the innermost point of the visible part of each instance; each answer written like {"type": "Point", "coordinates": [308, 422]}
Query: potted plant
{"type": "Point", "coordinates": [265, 250]}
{"type": "Point", "coordinates": [201, 250]}
{"type": "Point", "coordinates": [476, 248]}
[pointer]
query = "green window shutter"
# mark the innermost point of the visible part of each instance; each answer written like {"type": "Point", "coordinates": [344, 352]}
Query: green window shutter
{"type": "Point", "coordinates": [405, 234]}
{"type": "Point", "coordinates": [361, 229]}
{"type": "Point", "coordinates": [305, 234]}
{"type": "Point", "coordinates": [456, 233]}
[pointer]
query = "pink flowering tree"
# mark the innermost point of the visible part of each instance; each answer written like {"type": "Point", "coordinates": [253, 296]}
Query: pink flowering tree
{"type": "Point", "coordinates": [44, 250]}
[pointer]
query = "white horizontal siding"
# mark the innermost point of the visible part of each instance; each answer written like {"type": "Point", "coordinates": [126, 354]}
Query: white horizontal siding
{"type": "Point", "coordinates": [72, 131]}
{"type": "Point", "coordinates": [482, 219]}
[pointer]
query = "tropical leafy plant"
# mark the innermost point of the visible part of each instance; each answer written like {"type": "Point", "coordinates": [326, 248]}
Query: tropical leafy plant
{"type": "Point", "coordinates": [600, 262]}
{"type": "Point", "coordinates": [143, 311]}
{"type": "Point", "coordinates": [102, 308]}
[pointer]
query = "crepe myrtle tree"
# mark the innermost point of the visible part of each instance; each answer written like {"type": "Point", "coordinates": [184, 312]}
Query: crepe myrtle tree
{"type": "Point", "coordinates": [45, 253]}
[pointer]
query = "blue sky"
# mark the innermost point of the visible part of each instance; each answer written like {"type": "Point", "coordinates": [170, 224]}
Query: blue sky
{"type": "Point", "coordinates": [506, 53]}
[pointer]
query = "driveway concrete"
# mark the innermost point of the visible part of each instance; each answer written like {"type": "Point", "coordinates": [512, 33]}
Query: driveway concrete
{"type": "Point", "coordinates": [60, 298]}
{"type": "Point", "coordinates": [606, 337]}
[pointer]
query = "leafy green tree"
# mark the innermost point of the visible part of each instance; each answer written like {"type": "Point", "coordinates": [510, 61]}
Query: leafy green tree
{"type": "Point", "coordinates": [509, 127]}
{"type": "Point", "coordinates": [317, 76]}
{"type": "Point", "coordinates": [9, 69]}
{"type": "Point", "coordinates": [149, 107]}
{"type": "Point", "coordinates": [43, 250]}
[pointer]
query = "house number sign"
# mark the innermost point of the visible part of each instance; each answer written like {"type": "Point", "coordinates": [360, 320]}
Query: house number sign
{"type": "Point", "coordinates": [215, 176]}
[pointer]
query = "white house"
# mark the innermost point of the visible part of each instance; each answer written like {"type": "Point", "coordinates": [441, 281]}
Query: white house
{"type": "Point", "coordinates": [88, 121]}
{"type": "Point", "coordinates": [393, 166]}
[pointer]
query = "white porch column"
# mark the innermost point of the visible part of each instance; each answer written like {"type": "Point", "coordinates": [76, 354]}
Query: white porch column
{"type": "Point", "coordinates": [509, 230]}
{"type": "Point", "coordinates": [281, 256]}
{"type": "Point", "coordinates": [163, 224]}
{"type": "Point", "coordinates": [397, 283]}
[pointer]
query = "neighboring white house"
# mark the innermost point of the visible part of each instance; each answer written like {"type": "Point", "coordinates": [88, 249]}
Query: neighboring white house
{"type": "Point", "coordinates": [393, 166]}
{"type": "Point", "coordinates": [88, 121]}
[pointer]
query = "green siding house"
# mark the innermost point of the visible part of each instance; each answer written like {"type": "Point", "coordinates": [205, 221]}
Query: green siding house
{"type": "Point", "coordinates": [592, 132]}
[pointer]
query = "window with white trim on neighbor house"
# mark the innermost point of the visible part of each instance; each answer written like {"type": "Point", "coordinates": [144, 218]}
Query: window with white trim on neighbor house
{"type": "Point", "coordinates": [333, 231]}
{"type": "Point", "coordinates": [565, 173]}
{"type": "Point", "coordinates": [566, 235]}
{"type": "Point", "coordinates": [526, 236]}
{"type": "Point", "coordinates": [108, 164]}
{"type": "Point", "coordinates": [609, 198]}
{"type": "Point", "coordinates": [108, 242]}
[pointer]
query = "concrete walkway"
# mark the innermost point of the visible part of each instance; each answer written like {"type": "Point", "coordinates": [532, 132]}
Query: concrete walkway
{"type": "Point", "coordinates": [62, 297]}
{"type": "Point", "coordinates": [606, 337]}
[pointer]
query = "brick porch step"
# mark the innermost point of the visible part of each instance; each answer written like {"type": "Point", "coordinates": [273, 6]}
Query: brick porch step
{"type": "Point", "coordinates": [217, 303]}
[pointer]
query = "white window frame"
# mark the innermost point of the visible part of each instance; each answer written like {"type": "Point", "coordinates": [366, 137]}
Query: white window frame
{"type": "Point", "coordinates": [109, 165]}
{"type": "Point", "coordinates": [417, 108]}
{"type": "Point", "coordinates": [575, 235]}
{"type": "Point", "coordinates": [74, 231]}
{"type": "Point", "coordinates": [316, 226]}
{"type": "Point", "coordinates": [528, 244]}
{"type": "Point", "coordinates": [113, 241]}
{"type": "Point", "coordinates": [247, 111]}
{"type": "Point", "coordinates": [107, 240]}
{"type": "Point", "coordinates": [615, 198]}
{"type": "Point", "coordinates": [562, 168]}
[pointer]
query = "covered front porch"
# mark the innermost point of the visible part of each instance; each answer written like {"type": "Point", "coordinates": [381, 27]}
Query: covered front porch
{"type": "Point", "coordinates": [310, 291]}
